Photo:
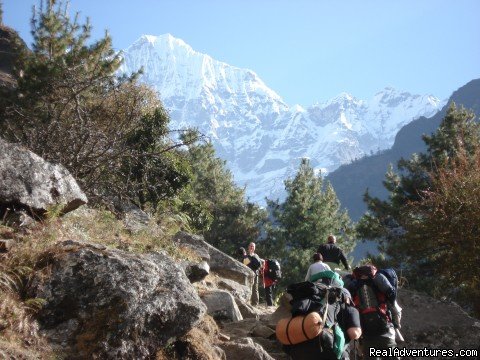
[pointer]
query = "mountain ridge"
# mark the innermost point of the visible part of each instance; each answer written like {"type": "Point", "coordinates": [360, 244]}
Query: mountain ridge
{"type": "Point", "coordinates": [251, 127]}
{"type": "Point", "coordinates": [351, 180]}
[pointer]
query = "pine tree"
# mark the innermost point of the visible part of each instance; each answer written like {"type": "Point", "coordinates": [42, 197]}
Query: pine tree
{"type": "Point", "coordinates": [71, 108]}
{"type": "Point", "coordinates": [304, 220]}
{"type": "Point", "coordinates": [215, 205]}
{"type": "Point", "coordinates": [429, 223]}
{"type": "Point", "coordinates": [384, 219]}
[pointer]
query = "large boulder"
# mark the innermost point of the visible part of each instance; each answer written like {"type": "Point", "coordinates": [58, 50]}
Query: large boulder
{"type": "Point", "coordinates": [111, 304]}
{"type": "Point", "coordinates": [221, 305]}
{"type": "Point", "coordinates": [28, 182]}
{"type": "Point", "coordinates": [219, 262]}
{"type": "Point", "coordinates": [247, 310]}
{"type": "Point", "coordinates": [239, 291]}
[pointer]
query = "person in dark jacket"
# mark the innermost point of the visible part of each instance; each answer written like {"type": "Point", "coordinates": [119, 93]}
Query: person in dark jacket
{"type": "Point", "coordinates": [332, 253]}
{"type": "Point", "coordinates": [269, 285]}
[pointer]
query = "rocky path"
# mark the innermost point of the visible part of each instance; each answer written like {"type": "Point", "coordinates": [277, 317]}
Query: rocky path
{"type": "Point", "coordinates": [426, 322]}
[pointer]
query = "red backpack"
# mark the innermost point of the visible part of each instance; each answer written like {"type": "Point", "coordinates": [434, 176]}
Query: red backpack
{"type": "Point", "coordinates": [370, 302]}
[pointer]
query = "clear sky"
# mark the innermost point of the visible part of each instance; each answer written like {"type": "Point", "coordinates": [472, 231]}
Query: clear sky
{"type": "Point", "coordinates": [305, 50]}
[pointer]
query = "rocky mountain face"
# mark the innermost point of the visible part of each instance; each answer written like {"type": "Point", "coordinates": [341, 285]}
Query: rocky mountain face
{"type": "Point", "coordinates": [253, 129]}
{"type": "Point", "coordinates": [351, 180]}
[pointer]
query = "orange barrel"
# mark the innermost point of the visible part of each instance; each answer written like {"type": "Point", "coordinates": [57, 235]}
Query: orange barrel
{"type": "Point", "coordinates": [291, 331]}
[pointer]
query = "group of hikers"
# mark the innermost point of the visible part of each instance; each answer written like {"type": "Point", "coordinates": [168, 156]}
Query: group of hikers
{"type": "Point", "coordinates": [333, 316]}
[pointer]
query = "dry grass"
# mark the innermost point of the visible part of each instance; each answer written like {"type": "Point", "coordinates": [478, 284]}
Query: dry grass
{"type": "Point", "coordinates": [18, 328]}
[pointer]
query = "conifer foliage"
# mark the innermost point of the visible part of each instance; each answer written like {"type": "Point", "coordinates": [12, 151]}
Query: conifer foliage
{"type": "Point", "coordinates": [70, 107]}
{"type": "Point", "coordinates": [215, 204]}
{"type": "Point", "coordinates": [430, 222]}
{"type": "Point", "coordinates": [310, 212]}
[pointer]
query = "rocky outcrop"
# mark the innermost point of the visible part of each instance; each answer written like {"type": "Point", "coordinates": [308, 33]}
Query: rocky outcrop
{"type": "Point", "coordinates": [11, 46]}
{"type": "Point", "coordinates": [195, 271]}
{"type": "Point", "coordinates": [247, 311]}
{"type": "Point", "coordinates": [30, 183]}
{"type": "Point", "coordinates": [239, 291]}
{"type": "Point", "coordinates": [110, 304]}
{"type": "Point", "coordinates": [219, 262]}
{"type": "Point", "coordinates": [221, 305]}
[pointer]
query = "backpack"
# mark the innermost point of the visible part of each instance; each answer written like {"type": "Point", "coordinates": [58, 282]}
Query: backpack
{"type": "Point", "coordinates": [392, 278]}
{"type": "Point", "coordinates": [328, 277]}
{"type": "Point", "coordinates": [322, 301]}
{"type": "Point", "coordinates": [370, 302]}
{"type": "Point", "coordinates": [254, 263]}
{"type": "Point", "coordinates": [308, 297]}
{"type": "Point", "coordinates": [273, 271]}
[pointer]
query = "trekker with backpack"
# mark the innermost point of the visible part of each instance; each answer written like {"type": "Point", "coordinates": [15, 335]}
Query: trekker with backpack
{"type": "Point", "coordinates": [370, 293]}
{"type": "Point", "coordinates": [323, 321]}
{"type": "Point", "coordinates": [332, 253]}
{"type": "Point", "coordinates": [271, 275]}
{"type": "Point", "coordinates": [317, 266]}
{"type": "Point", "coordinates": [254, 262]}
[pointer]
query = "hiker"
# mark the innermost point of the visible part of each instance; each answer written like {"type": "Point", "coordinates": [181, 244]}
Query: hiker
{"type": "Point", "coordinates": [340, 317]}
{"type": "Point", "coordinates": [371, 301]}
{"type": "Point", "coordinates": [268, 283]}
{"type": "Point", "coordinates": [317, 266]}
{"type": "Point", "coordinates": [254, 262]}
{"type": "Point", "coordinates": [332, 253]}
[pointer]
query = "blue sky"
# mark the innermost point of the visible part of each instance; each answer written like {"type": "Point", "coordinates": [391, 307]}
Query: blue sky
{"type": "Point", "coordinates": [305, 50]}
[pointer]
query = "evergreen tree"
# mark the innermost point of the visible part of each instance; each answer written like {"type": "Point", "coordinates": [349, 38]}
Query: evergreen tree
{"type": "Point", "coordinates": [384, 219]}
{"type": "Point", "coordinates": [215, 205]}
{"type": "Point", "coordinates": [429, 223]}
{"type": "Point", "coordinates": [310, 212]}
{"type": "Point", "coordinates": [70, 107]}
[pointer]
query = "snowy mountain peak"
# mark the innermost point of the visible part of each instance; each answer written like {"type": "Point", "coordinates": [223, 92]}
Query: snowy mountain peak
{"type": "Point", "coordinates": [175, 70]}
{"type": "Point", "coordinates": [262, 138]}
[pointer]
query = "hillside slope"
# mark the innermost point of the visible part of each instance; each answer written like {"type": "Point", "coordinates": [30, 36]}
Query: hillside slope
{"type": "Point", "coordinates": [350, 181]}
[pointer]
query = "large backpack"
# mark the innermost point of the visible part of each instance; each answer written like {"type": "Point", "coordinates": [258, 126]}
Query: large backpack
{"type": "Point", "coordinates": [392, 278]}
{"type": "Point", "coordinates": [370, 302]}
{"type": "Point", "coordinates": [324, 302]}
{"type": "Point", "coordinates": [273, 271]}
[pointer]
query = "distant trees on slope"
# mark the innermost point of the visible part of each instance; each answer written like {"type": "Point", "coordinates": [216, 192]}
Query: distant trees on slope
{"type": "Point", "coordinates": [303, 221]}
{"type": "Point", "coordinates": [430, 222]}
{"type": "Point", "coordinates": [112, 134]}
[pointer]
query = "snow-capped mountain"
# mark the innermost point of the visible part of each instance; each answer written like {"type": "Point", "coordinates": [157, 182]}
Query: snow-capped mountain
{"type": "Point", "coordinates": [253, 129]}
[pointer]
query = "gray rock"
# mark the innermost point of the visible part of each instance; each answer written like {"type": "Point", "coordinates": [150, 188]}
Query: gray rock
{"type": "Point", "coordinates": [242, 349]}
{"type": "Point", "coordinates": [221, 305]}
{"type": "Point", "coordinates": [195, 271]}
{"type": "Point", "coordinates": [220, 263]}
{"type": "Point", "coordinates": [247, 311]}
{"type": "Point", "coordinates": [31, 183]}
{"type": "Point", "coordinates": [109, 304]}
{"type": "Point", "coordinates": [239, 291]}
{"type": "Point", "coordinates": [134, 218]}
{"type": "Point", "coordinates": [263, 331]}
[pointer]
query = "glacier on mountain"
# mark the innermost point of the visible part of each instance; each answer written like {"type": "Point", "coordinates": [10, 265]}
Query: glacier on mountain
{"type": "Point", "coordinates": [262, 138]}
